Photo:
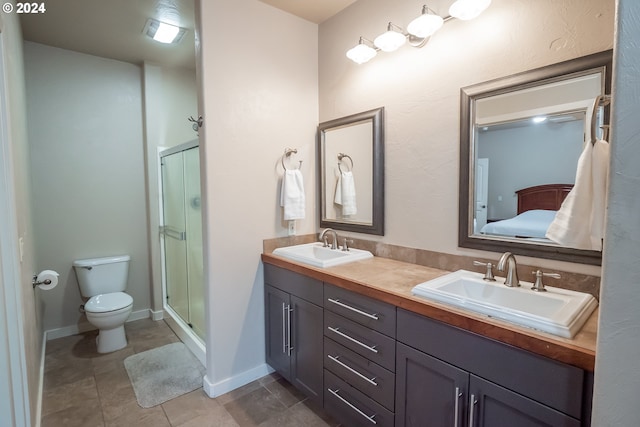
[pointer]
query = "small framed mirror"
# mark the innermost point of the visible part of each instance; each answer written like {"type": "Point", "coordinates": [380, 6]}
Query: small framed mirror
{"type": "Point", "coordinates": [351, 172]}
{"type": "Point", "coordinates": [520, 140]}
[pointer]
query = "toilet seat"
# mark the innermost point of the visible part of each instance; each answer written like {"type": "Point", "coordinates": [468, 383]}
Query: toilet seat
{"type": "Point", "coordinates": [108, 303]}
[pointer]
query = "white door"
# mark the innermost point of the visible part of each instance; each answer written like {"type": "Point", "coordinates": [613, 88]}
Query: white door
{"type": "Point", "coordinates": [481, 197]}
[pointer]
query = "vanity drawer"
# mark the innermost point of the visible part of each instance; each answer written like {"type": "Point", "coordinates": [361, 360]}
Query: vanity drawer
{"type": "Point", "coordinates": [352, 408]}
{"type": "Point", "coordinates": [370, 344]}
{"type": "Point", "coordinates": [372, 313]}
{"type": "Point", "coordinates": [368, 377]}
{"type": "Point", "coordinates": [542, 379]}
{"type": "Point", "coordinates": [296, 284]}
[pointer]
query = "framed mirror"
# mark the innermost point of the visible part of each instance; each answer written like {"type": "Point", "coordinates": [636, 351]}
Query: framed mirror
{"type": "Point", "coordinates": [351, 172]}
{"type": "Point", "coordinates": [520, 140]}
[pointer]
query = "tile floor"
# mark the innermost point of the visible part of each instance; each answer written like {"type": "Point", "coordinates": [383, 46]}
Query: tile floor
{"type": "Point", "coordinates": [83, 388]}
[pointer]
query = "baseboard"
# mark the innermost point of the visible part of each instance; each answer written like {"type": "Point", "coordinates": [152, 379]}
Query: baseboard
{"type": "Point", "coordinates": [80, 328]}
{"type": "Point", "coordinates": [41, 381]}
{"type": "Point", "coordinates": [157, 315]}
{"type": "Point", "coordinates": [139, 315]}
{"type": "Point", "coordinates": [232, 383]}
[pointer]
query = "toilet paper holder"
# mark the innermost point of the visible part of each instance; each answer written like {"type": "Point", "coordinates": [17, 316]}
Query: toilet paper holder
{"type": "Point", "coordinates": [35, 281]}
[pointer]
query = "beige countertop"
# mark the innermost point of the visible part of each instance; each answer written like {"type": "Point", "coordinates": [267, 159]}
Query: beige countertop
{"type": "Point", "coordinates": [391, 281]}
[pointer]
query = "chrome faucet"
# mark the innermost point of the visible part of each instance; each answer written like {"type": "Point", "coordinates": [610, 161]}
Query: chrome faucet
{"type": "Point", "coordinates": [512, 274]}
{"type": "Point", "coordinates": [323, 238]}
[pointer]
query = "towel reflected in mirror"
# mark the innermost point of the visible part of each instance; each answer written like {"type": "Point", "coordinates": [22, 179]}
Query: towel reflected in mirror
{"type": "Point", "coordinates": [345, 195]}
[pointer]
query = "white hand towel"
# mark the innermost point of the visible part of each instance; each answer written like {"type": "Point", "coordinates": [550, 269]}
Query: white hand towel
{"type": "Point", "coordinates": [346, 193]}
{"type": "Point", "coordinates": [292, 197]}
{"type": "Point", "coordinates": [579, 222]}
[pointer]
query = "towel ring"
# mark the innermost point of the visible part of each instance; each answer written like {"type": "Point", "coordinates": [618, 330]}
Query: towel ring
{"type": "Point", "coordinates": [287, 153]}
{"type": "Point", "coordinates": [342, 156]}
{"type": "Point", "coordinates": [603, 100]}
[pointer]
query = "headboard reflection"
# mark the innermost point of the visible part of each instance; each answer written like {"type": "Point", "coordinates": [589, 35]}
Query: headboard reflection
{"type": "Point", "coordinates": [548, 197]}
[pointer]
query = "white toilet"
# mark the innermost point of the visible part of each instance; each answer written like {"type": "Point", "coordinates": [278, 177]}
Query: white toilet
{"type": "Point", "coordinates": [103, 281]}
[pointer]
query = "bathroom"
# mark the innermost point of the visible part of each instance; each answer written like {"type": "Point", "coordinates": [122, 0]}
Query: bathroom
{"type": "Point", "coordinates": [420, 92]}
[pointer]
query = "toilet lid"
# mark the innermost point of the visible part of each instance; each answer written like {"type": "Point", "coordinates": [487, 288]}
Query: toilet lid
{"type": "Point", "coordinates": [108, 302]}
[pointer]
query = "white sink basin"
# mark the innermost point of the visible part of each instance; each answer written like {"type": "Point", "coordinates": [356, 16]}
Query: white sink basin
{"type": "Point", "coordinates": [318, 256]}
{"type": "Point", "coordinates": [558, 311]}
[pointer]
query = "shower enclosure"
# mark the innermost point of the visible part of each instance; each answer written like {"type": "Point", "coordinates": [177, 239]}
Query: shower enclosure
{"type": "Point", "coordinates": [181, 233]}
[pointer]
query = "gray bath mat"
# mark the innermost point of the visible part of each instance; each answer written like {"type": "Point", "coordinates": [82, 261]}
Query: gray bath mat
{"type": "Point", "coordinates": [163, 373]}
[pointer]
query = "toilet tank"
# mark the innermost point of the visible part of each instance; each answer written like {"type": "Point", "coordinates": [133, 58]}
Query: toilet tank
{"type": "Point", "coordinates": [102, 275]}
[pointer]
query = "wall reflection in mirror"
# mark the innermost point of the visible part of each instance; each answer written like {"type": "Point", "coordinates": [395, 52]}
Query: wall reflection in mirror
{"type": "Point", "coordinates": [519, 153]}
{"type": "Point", "coordinates": [351, 172]}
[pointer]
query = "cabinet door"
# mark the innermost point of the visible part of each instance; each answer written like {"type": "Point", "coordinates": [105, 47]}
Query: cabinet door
{"type": "Point", "coordinates": [306, 343]}
{"type": "Point", "coordinates": [493, 406]}
{"type": "Point", "coordinates": [277, 305]}
{"type": "Point", "coordinates": [429, 392]}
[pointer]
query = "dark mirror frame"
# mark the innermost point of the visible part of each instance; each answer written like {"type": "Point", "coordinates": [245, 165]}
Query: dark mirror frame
{"type": "Point", "coordinates": [377, 145]}
{"type": "Point", "coordinates": [468, 96]}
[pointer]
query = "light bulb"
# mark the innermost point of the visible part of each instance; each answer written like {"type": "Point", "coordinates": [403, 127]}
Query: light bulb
{"type": "Point", "coordinates": [425, 25]}
{"type": "Point", "coordinates": [468, 9]}
{"type": "Point", "coordinates": [390, 41]}
{"type": "Point", "coordinates": [166, 33]}
{"type": "Point", "coordinates": [361, 53]}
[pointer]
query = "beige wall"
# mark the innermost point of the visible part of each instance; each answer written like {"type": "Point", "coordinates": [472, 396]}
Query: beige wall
{"type": "Point", "coordinates": [32, 333]}
{"type": "Point", "coordinates": [89, 200]}
{"type": "Point", "coordinates": [420, 90]}
{"type": "Point", "coordinates": [259, 95]}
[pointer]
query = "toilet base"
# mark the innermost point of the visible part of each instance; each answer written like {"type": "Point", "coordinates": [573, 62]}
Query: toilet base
{"type": "Point", "coordinates": [109, 340]}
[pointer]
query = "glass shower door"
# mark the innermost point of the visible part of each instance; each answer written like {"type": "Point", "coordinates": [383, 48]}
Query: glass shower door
{"type": "Point", "coordinates": [193, 219]}
{"type": "Point", "coordinates": [182, 236]}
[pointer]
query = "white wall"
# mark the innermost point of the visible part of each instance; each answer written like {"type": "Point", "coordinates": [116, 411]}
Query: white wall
{"type": "Point", "coordinates": [86, 141]}
{"type": "Point", "coordinates": [617, 375]}
{"type": "Point", "coordinates": [170, 96]}
{"type": "Point", "coordinates": [420, 90]}
{"type": "Point", "coordinates": [259, 96]}
{"type": "Point", "coordinates": [25, 336]}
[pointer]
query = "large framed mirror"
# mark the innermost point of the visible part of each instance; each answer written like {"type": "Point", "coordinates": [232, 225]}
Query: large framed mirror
{"type": "Point", "coordinates": [351, 172]}
{"type": "Point", "coordinates": [520, 140]}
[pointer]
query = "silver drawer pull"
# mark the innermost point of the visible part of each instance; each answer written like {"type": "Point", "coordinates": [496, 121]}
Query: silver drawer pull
{"type": "Point", "coordinates": [367, 379]}
{"type": "Point", "coordinates": [472, 409]}
{"type": "Point", "coordinates": [284, 328]}
{"type": "Point", "coordinates": [456, 408]}
{"type": "Point", "coordinates": [337, 331]}
{"type": "Point", "coordinates": [352, 406]}
{"type": "Point", "coordinates": [355, 310]}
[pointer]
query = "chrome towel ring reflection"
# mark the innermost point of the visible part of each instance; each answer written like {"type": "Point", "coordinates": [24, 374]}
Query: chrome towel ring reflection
{"type": "Point", "coordinates": [342, 156]}
{"type": "Point", "coordinates": [287, 153]}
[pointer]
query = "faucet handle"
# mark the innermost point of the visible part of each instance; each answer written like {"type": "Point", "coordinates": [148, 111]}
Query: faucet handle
{"type": "Point", "coordinates": [345, 244]}
{"type": "Point", "coordinates": [488, 275]}
{"type": "Point", "coordinates": [539, 286]}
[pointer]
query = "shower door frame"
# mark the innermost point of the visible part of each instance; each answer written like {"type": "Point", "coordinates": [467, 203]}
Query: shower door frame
{"type": "Point", "coordinates": [183, 327]}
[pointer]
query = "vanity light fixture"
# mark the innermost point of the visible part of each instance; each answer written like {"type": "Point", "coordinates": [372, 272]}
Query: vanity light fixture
{"type": "Point", "coordinates": [466, 10]}
{"type": "Point", "coordinates": [391, 39]}
{"type": "Point", "coordinates": [362, 52]}
{"type": "Point", "coordinates": [426, 24]}
{"type": "Point", "coordinates": [163, 32]}
{"type": "Point", "coordinates": [418, 31]}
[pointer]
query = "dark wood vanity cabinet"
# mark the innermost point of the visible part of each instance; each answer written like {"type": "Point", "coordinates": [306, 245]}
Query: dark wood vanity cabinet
{"type": "Point", "coordinates": [371, 363]}
{"type": "Point", "coordinates": [446, 376]}
{"type": "Point", "coordinates": [294, 322]}
{"type": "Point", "coordinates": [360, 358]}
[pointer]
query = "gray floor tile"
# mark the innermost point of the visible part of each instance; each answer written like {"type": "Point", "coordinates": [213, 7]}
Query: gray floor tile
{"type": "Point", "coordinates": [85, 388]}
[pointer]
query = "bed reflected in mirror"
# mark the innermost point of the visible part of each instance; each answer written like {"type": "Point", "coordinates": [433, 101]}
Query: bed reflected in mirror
{"type": "Point", "coordinates": [521, 138]}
